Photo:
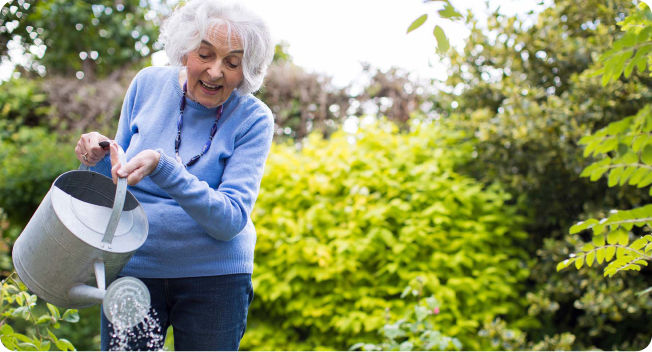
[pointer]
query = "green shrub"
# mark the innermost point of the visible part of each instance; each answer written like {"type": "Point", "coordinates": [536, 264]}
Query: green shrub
{"type": "Point", "coordinates": [22, 103]}
{"type": "Point", "coordinates": [29, 324]}
{"type": "Point", "coordinates": [415, 331]}
{"type": "Point", "coordinates": [345, 224]}
{"type": "Point", "coordinates": [30, 159]}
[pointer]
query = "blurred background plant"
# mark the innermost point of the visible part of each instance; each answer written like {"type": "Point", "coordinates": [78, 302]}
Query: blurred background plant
{"type": "Point", "coordinates": [415, 331]}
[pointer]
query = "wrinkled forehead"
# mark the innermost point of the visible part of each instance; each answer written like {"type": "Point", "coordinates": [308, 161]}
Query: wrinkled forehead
{"type": "Point", "coordinates": [221, 34]}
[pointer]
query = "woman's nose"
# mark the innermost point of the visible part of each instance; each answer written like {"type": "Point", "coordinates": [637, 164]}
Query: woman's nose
{"type": "Point", "coordinates": [215, 70]}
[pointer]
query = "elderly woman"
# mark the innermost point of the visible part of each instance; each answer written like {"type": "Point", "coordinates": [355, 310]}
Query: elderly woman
{"type": "Point", "coordinates": [196, 142]}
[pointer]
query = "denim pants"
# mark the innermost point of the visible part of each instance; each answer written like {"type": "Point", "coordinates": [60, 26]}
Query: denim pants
{"type": "Point", "coordinates": [206, 314]}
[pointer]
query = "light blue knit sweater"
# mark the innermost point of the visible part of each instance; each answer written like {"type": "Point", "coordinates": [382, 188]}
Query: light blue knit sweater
{"type": "Point", "coordinates": [199, 217]}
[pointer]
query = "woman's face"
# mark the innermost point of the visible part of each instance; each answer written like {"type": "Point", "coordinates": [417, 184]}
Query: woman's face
{"type": "Point", "coordinates": [214, 69]}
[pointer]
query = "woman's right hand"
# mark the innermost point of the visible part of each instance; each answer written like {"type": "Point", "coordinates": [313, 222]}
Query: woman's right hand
{"type": "Point", "coordinates": [88, 150]}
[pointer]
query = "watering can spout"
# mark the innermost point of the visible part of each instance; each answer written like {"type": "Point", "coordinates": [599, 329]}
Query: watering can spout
{"type": "Point", "coordinates": [125, 302]}
{"type": "Point", "coordinates": [86, 294]}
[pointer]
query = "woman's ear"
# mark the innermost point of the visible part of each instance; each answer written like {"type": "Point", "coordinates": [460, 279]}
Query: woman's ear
{"type": "Point", "coordinates": [184, 60]}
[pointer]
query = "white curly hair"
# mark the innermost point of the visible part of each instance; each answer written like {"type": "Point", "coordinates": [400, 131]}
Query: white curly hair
{"type": "Point", "coordinates": [184, 30]}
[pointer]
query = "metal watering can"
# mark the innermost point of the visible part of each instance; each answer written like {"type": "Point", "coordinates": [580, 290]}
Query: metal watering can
{"type": "Point", "coordinates": [77, 242]}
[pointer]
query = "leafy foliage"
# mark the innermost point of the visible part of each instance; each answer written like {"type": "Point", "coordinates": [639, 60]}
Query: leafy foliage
{"type": "Point", "coordinates": [525, 92]}
{"type": "Point", "coordinates": [39, 322]}
{"type": "Point", "coordinates": [447, 12]}
{"type": "Point", "coordinates": [30, 159]}
{"type": "Point", "coordinates": [626, 150]}
{"type": "Point", "coordinates": [506, 339]}
{"type": "Point", "coordinates": [415, 331]}
{"type": "Point", "coordinates": [22, 103]}
{"type": "Point", "coordinates": [343, 224]}
{"type": "Point", "coordinates": [62, 36]}
{"type": "Point", "coordinates": [528, 94]}
{"type": "Point", "coordinates": [632, 50]}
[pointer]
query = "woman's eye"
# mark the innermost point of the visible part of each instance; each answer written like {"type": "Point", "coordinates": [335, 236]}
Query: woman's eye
{"type": "Point", "coordinates": [233, 63]}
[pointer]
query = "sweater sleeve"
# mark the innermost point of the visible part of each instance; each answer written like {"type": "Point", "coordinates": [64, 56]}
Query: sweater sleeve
{"type": "Point", "coordinates": [124, 132]}
{"type": "Point", "coordinates": [225, 211]}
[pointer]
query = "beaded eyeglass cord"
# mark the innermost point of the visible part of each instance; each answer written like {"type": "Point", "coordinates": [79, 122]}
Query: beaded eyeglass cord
{"type": "Point", "coordinates": [207, 145]}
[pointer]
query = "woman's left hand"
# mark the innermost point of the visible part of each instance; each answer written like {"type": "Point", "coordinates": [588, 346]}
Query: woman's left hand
{"type": "Point", "coordinates": [135, 169]}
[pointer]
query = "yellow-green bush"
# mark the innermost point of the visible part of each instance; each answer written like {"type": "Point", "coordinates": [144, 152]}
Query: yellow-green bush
{"type": "Point", "coordinates": [344, 225]}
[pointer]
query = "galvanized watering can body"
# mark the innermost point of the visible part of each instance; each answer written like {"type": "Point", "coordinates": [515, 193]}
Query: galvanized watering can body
{"type": "Point", "coordinates": [79, 239]}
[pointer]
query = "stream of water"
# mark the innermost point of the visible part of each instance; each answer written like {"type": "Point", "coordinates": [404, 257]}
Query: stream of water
{"type": "Point", "coordinates": [134, 325]}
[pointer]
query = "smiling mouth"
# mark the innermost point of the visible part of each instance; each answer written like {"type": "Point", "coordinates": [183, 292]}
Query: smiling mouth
{"type": "Point", "coordinates": [210, 86]}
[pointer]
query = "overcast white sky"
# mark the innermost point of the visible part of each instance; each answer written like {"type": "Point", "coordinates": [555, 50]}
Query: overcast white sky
{"type": "Point", "coordinates": [334, 36]}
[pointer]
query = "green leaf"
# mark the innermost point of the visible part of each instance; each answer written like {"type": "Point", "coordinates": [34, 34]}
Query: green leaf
{"type": "Point", "coordinates": [646, 181]}
{"type": "Point", "coordinates": [432, 302]}
{"type": "Point", "coordinates": [590, 256]}
{"type": "Point", "coordinates": [449, 12]}
{"type": "Point", "coordinates": [27, 346]}
{"type": "Point", "coordinates": [582, 225]}
{"type": "Point", "coordinates": [599, 171]}
{"type": "Point", "coordinates": [614, 177]}
{"type": "Point", "coordinates": [20, 300]}
{"type": "Point", "coordinates": [627, 173]}
{"type": "Point", "coordinates": [406, 346]}
{"type": "Point", "coordinates": [6, 329]}
{"type": "Point", "coordinates": [623, 238]}
{"type": "Point", "coordinates": [579, 261]}
{"type": "Point", "coordinates": [638, 175]}
{"type": "Point", "coordinates": [417, 23]}
{"type": "Point", "coordinates": [620, 252]}
{"type": "Point", "coordinates": [22, 312]}
{"type": "Point", "coordinates": [630, 67]}
{"type": "Point", "coordinates": [598, 240]}
{"type": "Point", "coordinates": [639, 142]}
{"type": "Point", "coordinates": [406, 291]}
{"type": "Point", "coordinates": [442, 41]}
{"type": "Point", "coordinates": [612, 237]}
{"type": "Point", "coordinates": [646, 155]}
{"type": "Point", "coordinates": [31, 300]}
{"type": "Point", "coordinates": [52, 336]}
{"type": "Point", "coordinates": [564, 264]}
{"type": "Point", "coordinates": [600, 255]}
{"type": "Point", "coordinates": [23, 338]}
{"type": "Point", "coordinates": [421, 312]}
{"type": "Point", "coordinates": [71, 315]}
{"type": "Point", "coordinates": [638, 244]}
{"type": "Point", "coordinates": [45, 318]}
{"type": "Point", "coordinates": [609, 253]}
{"type": "Point", "coordinates": [600, 227]}
{"type": "Point", "coordinates": [393, 331]}
{"type": "Point", "coordinates": [45, 346]}
{"type": "Point", "coordinates": [54, 311]}
{"type": "Point", "coordinates": [65, 345]}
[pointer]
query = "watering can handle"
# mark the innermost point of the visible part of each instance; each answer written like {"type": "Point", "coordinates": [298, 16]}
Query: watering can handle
{"type": "Point", "coordinates": [118, 200]}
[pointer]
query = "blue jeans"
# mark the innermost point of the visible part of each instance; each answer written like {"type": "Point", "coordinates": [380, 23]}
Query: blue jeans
{"type": "Point", "coordinates": [206, 313]}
